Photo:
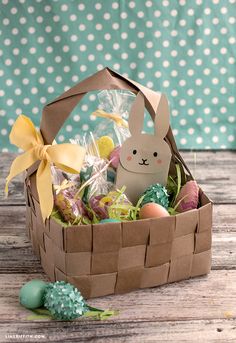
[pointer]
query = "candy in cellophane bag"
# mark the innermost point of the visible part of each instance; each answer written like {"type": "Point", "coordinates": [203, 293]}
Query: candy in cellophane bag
{"type": "Point", "coordinates": [65, 185]}
{"type": "Point", "coordinates": [114, 106]}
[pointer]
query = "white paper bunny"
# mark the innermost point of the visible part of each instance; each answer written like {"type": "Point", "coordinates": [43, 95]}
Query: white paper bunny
{"type": "Point", "coordinates": [144, 158]}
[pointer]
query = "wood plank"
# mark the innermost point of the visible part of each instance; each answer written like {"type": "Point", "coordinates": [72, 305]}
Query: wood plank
{"type": "Point", "coordinates": [214, 171]}
{"type": "Point", "coordinates": [209, 297]}
{"type": "Point", "coordinates": [133, 332]}
{"type": "Point", "coordinates": [16, 189]}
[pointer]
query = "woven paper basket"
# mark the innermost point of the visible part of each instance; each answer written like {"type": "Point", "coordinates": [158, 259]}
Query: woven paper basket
{"type": "Point", "coordinates": [112, 258]}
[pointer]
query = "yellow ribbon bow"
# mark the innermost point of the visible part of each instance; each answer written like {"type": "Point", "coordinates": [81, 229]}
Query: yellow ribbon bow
{"type": "Point", "coordinates": [68, 157]}
{"type": "Point", "coordinates": [115, 117]}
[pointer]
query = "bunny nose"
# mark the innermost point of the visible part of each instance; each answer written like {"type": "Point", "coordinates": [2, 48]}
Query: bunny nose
{"type": "Point", "coordinates": [144, 160]}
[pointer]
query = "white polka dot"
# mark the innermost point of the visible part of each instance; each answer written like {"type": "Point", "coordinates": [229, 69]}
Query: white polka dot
{"type": "Point", "coordinates": [165, 64]}
{"type": "Point", "coordinates": [141, 75]}
{"type": "Point", "coordinates": [183, 141]}
{"type": "Point", "coordinates": [4, 132]}
{"type": "Point", "coordinates": [199, 140]}
{"type": "Point", "coordinates": [74, 38]}
{"type": "Point", "coordinates": [174, 33]}
{"type": "Point", "coordinates": [124, 56]}
{"type": "Point", "coordinates": [174, 73]}
{"type": "Point", "coordinates": [198, 82]}
{"type": "Point", "coordinates": [61, 138]}
{"type": "Point", "coordinates": [32, 50]}
{"type": "Point", "coordinates": [107, 57]}
{"type": "Point", "coordinates": [215, 100]}
{"type": "Point", "coordinates": [223, 109]}
{"type": "Point", "coordinates": [90, 37]}
{"type": "Point", "coordinates": [231, 119]}
{"type": "Point", "coordinates": [99, 27]}
{"type": "Point", "coordinates": [215, 139]}
{"type": "Point", "coordinates": [190, 92]}
{"type": "Point", "coordinates": [157, 13]}
{"type": "Point", "coordinates": [166, 83]}
{"type": "Point", "coordinates": [17, 91]}
{"type": "Point", "coordinates": [175, 132]}
{"type": "Point", "coordinates": [26, 101]}
{"type": "Point", "coordinates": [182, 22]}
{"type": "Point", "coordinates": [166, 23]}
{"type": "Point", "coordinates": [158, 74]}
{"type": "Point", "coordinates": [115, 5]}
{"type": "Point", "coordinates": [124, 35]}
{"type": "Point", "coordinates": [157, 54]}
{"type": "Point", "coordinates": [64, 8]}
{"type": "Point", "coordinates": [206, 71]}
{"type": "Point", "coordinates": [174, 53]}
{"type": "Point", "coordinates": [190, 32]}
{"type": "Point", "coordinates": [141, 55]}
{"type": "Point", "coordinates": [215, 41]}
{"type": "Point", "coordinates": [132, 45]}
{"type": "Point", "coordinates": [215, 81]}
{"type": "Point", "coordinates": [173, 13]}
{"type": "Point", "coordinates": [223, 10]}
{"type": "Point", "coordinates": [214, 120]}
{"type": "Point", "coordinates": [25, 81]}
{"type": "Point", "coordinates": [231, 138]}
{"type": "Point", "coordinates": [182, 83]}
{"type": "Point", "coordinates": [99, 47]}
{"type": "Point", "coordinates": [182, 102]}
{"type": "Point", "coordinates": [83, 68]}
{"type": "Point", "coordinates": [231, 60]}
{"type": "Point", "coordinates": [174, 92]}
{"type": "Point", "coordinates": [8, 62]}
{"type": "Point", "coordinates": [34, 90]}
{"type": "Point", "coordinates": [199, 121]}
{"type": "Point", "coordinates": [191, 131]}
{"type": "Point", "coordinates": [65, 28]}
{"type": "Point", "coordinates": [207, 129]}
{"type": "Point", "coordinates": [73, 17]}
{"type": "Point", "coordinates": [223, 90]}
{"type": "Point", "coordinates": [157, 34]}
{"type": "Point", "coordinates": [50, 89]}
{"type": "Point", "coordinates": [199, 42]}
{"type": "Point", "coordinates": [207, 110]}
{"type": "Point", "coordinates": [231, 80]}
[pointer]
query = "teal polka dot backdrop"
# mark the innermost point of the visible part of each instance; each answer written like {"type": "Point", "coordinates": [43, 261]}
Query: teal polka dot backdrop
{"type": "Point", "coordinates": [185, 49]}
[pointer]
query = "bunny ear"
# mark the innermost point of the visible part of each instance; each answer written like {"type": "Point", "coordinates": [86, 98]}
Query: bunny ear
{"type": "Point", "coordinates": [162, 117]}
{"type": "Point", "coordinates": [136, 116]}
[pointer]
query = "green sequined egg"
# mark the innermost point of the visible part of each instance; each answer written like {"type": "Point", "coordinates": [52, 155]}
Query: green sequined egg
{"type": "Point", "coordinates": [156, 193]}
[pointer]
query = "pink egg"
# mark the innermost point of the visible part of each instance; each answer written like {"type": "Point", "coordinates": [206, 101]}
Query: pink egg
{"type": "Point", "coordinates": [152, 210]}
{"type": "Point", "coordinates": [115, 157]}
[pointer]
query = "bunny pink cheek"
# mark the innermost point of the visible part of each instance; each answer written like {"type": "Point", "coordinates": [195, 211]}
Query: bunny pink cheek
{"type": "Point", "coordinates": [159, 161]}
{"type": "Point", "coordinates": [129, 158]}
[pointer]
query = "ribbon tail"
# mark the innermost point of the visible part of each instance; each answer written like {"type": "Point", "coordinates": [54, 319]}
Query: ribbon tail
{"type": "Point", "coordinates": [20, 164]}
{"type": "Point", "coordinates": [44, 188]}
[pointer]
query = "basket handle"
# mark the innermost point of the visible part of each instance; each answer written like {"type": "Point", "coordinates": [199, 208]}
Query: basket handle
{"type": "Point", "coordinates": [55, 113]}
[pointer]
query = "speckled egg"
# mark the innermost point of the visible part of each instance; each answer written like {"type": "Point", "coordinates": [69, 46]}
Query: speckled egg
{"type": "Point", "coordinates": [32, 294]}
{"type": "Point", "coordinates": [152, 210]}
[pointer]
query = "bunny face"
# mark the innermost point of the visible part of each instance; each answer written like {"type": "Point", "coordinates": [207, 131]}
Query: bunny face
{"type": "Point", "coordinates": [144, 154]}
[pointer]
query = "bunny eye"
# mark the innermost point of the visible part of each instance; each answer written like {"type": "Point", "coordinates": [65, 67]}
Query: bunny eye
{"type": "Point", "coordinates": [134, 152]}
{"type": "Point", "coordinates": [155, 154]}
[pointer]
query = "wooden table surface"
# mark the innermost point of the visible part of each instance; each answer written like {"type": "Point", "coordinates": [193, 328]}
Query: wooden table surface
{"type": "Point", "coordinates": [198, 310]}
